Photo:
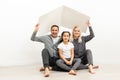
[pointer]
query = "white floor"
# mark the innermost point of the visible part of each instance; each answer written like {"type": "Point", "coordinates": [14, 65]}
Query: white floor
{"type": "Point", "coordinates": [31, 72]}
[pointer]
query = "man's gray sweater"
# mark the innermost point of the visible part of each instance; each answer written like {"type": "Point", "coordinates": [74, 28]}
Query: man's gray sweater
{"type": "Point", "coordinates": [48, 42]}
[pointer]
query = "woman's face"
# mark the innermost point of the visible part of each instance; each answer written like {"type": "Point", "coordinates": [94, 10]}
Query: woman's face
{"type": "Point", "coordinates": [76, 32]}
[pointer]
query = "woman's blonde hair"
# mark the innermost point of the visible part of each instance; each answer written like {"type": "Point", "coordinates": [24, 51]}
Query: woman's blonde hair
{"type": "Point", "coordinates": [79, 38]}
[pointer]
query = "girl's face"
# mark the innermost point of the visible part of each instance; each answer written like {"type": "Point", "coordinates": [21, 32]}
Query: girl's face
{"type": "Point", "coordinates": [66, 37]}
{"type": "Point", "coordinates": [76, 32]}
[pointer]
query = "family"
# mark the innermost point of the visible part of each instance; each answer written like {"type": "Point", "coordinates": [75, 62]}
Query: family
{"type": "Point", "coordinates": [66, 52]}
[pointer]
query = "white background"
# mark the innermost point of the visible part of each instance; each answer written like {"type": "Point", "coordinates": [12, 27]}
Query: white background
{"type": "Point", "coordinates": [18, 18]}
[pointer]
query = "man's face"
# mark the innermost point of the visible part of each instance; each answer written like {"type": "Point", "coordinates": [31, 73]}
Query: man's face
{"type": "Point", "coordinates": [54, 32]}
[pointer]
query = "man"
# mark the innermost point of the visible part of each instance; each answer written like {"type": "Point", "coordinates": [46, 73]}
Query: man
{"type": "Point", "coordinates": [49, 53]}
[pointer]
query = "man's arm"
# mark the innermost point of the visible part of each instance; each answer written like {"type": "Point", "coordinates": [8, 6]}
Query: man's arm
{"type": "Point", "coordinates": [33, 37]}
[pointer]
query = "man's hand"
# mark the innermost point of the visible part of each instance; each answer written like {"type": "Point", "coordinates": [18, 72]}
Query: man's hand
{"type": "Point", "coordinates": [37, 27]}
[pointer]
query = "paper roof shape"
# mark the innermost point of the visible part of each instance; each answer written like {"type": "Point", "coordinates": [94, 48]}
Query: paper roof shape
{"type": "Point", "coordinates": [63, 16]}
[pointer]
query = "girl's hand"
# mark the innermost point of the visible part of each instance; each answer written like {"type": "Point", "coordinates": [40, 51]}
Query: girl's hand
{"type": "Point", "coordinates": [70, 62]}
{"type": "Point", "coordinates": [67, 62]}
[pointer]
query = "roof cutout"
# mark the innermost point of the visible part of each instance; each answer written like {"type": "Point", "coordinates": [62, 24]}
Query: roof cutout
{"type": "Point", "coordinates": [63, 16]}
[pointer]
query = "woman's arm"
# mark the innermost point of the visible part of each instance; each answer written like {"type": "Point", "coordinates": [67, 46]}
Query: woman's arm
{"type": "Point", "coordinates": [91, 35]}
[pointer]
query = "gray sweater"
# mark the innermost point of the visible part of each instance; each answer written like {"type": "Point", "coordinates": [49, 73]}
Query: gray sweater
{"type": "Point", "coordinates": [48, 42]}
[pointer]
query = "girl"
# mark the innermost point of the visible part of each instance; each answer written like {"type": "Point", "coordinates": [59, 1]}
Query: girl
{"type": "Point", "coordinates": [66, 53]}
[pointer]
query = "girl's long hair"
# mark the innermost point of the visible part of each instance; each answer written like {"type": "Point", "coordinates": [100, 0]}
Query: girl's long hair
{"type": "Point", "coordinates": [62, 35]}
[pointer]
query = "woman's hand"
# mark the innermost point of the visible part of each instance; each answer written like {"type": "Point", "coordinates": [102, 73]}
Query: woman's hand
{"type": "Point", "coordinates": [88, 23]}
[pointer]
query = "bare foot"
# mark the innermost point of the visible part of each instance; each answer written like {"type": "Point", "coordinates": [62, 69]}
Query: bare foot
{"type": "Point", "coordinates": [91, 69]}
{"type": "Point", "coordinates": [43, 69]}
{"type": "Point", "coordinates": [72, 72]}
{"type": "Point", "coordinates": [50, 68]}
{"type": "Point", "coordinates": [95, 66]}
{"type": "Point", "coordinates": [47, 73]}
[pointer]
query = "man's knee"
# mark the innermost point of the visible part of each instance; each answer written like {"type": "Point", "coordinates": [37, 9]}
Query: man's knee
{"type": "Point", "coordinates": [88, 51]}
{"type": "Point", "coordinates": [44, 51]}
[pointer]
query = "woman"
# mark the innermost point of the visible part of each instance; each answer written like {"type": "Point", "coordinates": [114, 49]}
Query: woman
{"type": "Point", "coordinates": [80, 47]}
{"type": "Point", "coordinates": [66, 53]}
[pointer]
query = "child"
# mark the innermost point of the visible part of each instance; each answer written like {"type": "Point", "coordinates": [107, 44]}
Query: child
{"type": "Point", "coordinates": [66, 53]}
